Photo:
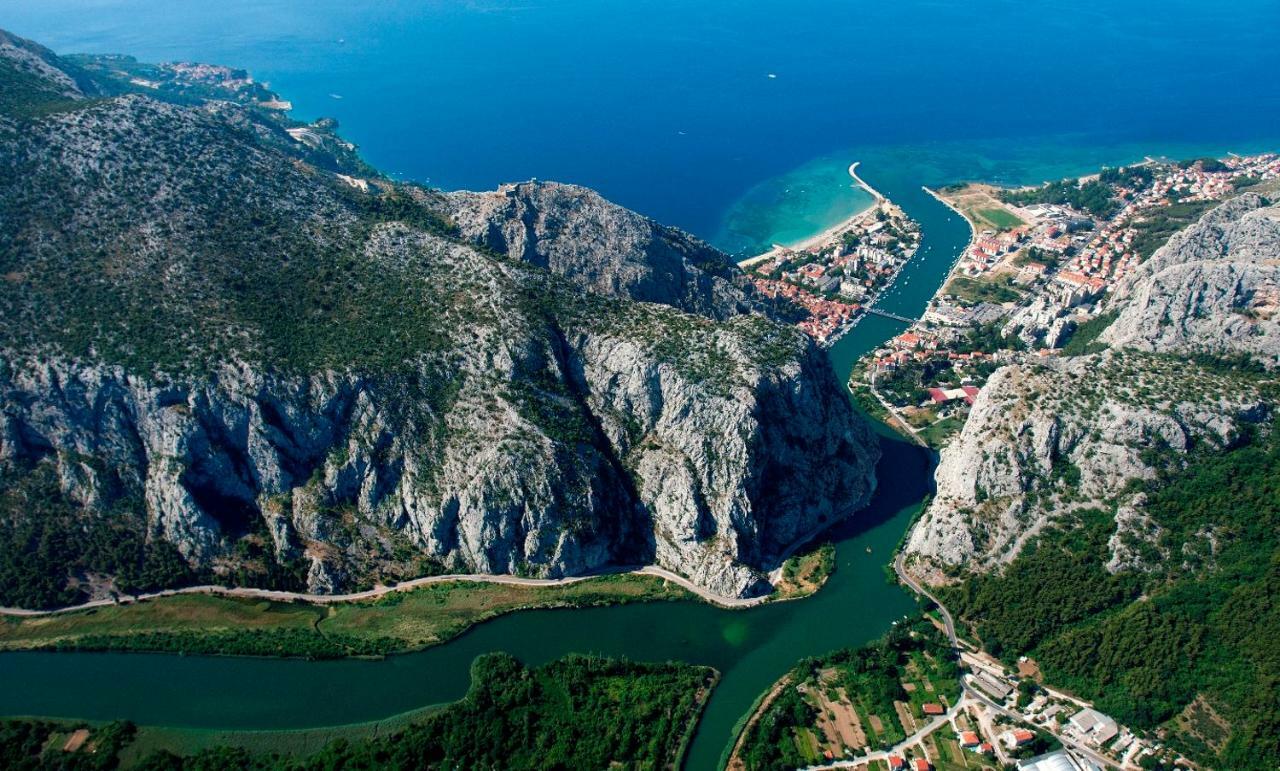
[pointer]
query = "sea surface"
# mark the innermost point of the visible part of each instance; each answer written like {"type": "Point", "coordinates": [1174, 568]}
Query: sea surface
{"type": "Point", "coordinates": [735, 120]}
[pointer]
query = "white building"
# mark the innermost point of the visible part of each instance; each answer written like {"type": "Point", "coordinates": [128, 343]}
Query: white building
{"type": "Point", "coordinates": [1094, 727]}
{"type": "Point", "coordinates": [1057, 761]}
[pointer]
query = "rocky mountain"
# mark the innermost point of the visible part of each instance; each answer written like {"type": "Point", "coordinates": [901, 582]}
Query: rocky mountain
{"type": "Point", "coordinates": [1215, 288]}
{"type": "Point", "coordinates": [215, 337]}
{"type": "Point", "coordinates": [1045, 438]}
{"type": "Point", "coordinates": [603, 247]}
{"type": "Point", "coordinates": [1113, 515]}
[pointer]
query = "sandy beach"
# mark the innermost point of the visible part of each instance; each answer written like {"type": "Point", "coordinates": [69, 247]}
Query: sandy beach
{"type": "Point", "coordinates": [829, 233]}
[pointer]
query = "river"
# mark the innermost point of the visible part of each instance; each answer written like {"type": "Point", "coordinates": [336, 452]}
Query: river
{"type": "Point", "coordinates": [751, 647]}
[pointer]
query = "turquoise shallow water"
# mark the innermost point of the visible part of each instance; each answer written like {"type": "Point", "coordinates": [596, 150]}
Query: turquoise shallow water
{"type": "Point", "coordinates": [668, 107]}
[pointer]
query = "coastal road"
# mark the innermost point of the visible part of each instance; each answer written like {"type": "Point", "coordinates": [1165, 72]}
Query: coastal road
{"type": "Point", "coordinates": [379, 591]}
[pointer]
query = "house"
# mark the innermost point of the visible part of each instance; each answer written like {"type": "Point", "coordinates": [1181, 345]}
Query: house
{"type": "Point", "coordinates": [907, 340]}
{"type": "Point", "coordinates": [922, 765]}
{"type": "Point", "coordinates": [969, 739]}
{"type": "Point", "coordinates": [897, 763]}
{"type": "Point", "coordinates": [933, 709]}
{"type": "Point", "coordinates": [986, 749]}
{"type": "Point", "coordinates": [1017, 737]}
{"type": "Point", "coordinates": [942, 396]}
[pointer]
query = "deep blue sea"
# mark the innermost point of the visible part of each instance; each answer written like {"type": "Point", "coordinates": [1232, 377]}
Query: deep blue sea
{"type": "Point", "coordinates": [732, 118]}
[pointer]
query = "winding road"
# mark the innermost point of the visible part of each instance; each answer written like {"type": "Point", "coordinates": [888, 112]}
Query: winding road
{"type": "Point", "coordinates": [968, 696]}
{"type": "Point", "coordinates": [379, 591]}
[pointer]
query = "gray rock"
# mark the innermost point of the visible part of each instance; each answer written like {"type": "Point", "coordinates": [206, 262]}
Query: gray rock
{"type": "Point", "coordinates": [1214, 288]}
{"type": "Point", "coordinates": [602, 247]}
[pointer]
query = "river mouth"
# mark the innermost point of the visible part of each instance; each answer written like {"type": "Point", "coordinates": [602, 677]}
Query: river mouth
{"type": "Point", "coordinates": [750, 647]}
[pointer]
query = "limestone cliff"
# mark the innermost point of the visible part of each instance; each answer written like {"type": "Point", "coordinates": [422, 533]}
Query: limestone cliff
{"type": "Point", "coordinates": [602, 247]}
{"type": "Point", "coordinates": [206, 331]}
{"type": "Point", "coordinates": [1046, 438]}
{"type": "Point", "coordinates": [1214, 288]}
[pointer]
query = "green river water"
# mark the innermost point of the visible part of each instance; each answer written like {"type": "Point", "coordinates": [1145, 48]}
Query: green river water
{"type": "Point", "coordinates": [751, 648]}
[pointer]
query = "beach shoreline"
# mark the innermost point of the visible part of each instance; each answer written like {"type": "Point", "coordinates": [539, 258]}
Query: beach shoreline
{"type": "Point", "coordinates": [829, 233]}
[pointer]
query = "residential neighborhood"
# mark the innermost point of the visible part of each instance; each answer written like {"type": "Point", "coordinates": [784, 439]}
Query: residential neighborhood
{"type": "Point", "coordinates": [1038, 269]}
{"type": "Point", "coordinates": [838, 276]}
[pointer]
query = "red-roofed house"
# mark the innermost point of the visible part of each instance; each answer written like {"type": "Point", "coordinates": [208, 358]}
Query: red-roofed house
{"type": "Point", "coordinates": [897, 763]}
{"type": "Point", "coordinates": [970, 394]}
{"type": "Point", "coordinates": [933, 709]}
{"type": "Point", "coordinates": [1021, 736]}
{"type": "Point", "coordinates": [907, 340]}
{"type": "Point", "coordinates": [986, 748]}
{"type": "Point", "coordinates": [923, 765]}
{"type": "Point", "coordinates": [969, 739]}
{"type": "Point", "coordinates": [938, 396]}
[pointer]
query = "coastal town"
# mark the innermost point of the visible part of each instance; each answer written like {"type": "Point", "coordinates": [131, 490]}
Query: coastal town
{"type": "Point", "coordinates": [836, 277]}
{"type": "Point", "coordinates": [1037, 271]}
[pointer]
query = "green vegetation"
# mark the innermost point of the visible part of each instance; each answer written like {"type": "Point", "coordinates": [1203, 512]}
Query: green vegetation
{"type": "Point", "coordinates": [996, 289]}
{"type": "Point", "coordinates": [1000, 219]}
{"type": "Point", "coordinates": [44, 538]}
{"type": "Point", "coordinates": [850, 693]}
{"type": "Point", "coordinates": [1084, 340]}
{"type": "Point", "coordinates": [936, 434]}
{"type": "Point", "coordinates": [579, 712]}
{"type": "Point", "coordinates": [1154, 230]}
{"type": "Point", "coordinates": [399, 621]}
{"type": "Point", "coordinates": [1094, 197]}
{"type": "Point", "coordinates": [806, 572]}
{"type": "Point", "coordinates": [1147, 645]}
{"type": "Point", "coordinates": [31, 745]}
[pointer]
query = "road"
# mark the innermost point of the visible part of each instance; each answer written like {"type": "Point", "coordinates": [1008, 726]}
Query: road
{"type": "Point", "coordinates": [893, 412]}
{"type": "Point", "coordinates": [379, 591]}
{"type": "Point", "coordinates": [899, 567]}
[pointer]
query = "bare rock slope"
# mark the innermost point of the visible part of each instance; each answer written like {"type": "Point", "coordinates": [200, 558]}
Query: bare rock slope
{"type": "Point", "coordinates": [1214, 288]}
{"type": "Point", "coordinates": [210, 337]}
{"type": "Point", "coordinates": [1046, 438]}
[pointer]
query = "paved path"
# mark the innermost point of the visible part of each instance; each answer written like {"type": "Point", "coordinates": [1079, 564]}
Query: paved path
{"type": "Point", "coordinates": [379, 591]}
{"type": "Point", "coordinates": [911, 430]}
{"type": "Point", "coordinates": [899, 567]}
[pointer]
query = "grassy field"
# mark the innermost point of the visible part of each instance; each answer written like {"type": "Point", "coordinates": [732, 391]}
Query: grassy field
{"type": "Point", "coordinates": [973, 291]}
{"type": "Point", "coordinates": [981, 206]}
{"type": "Point", "coordinates": [400, 621]}
{"type": "Point", "coordinates": [937, 434]}
{"type": "Point", "coordinates": [1000, 219]}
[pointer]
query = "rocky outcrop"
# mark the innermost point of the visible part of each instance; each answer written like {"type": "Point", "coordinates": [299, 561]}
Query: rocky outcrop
{"type": "Point", "coordinates": [1050, 437]}
{"type": "Point", "coordinates": [602, 247]}
{"type": "Point", "coordinates": [231, 345]}
{"type": "Point", "coordinates": [1214, 288]}
{"type": "Point", "coordinates": [1047, 438]}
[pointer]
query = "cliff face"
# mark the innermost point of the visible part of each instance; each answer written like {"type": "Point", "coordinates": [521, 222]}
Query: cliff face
{"type": "Point", "coordinates": [1046, 439]}
{"type": "Point", "coordinates": [602, 247]}
{"type": "Point", "coordinates": [212, 335]}
{"type": "Point", "coordinates": [1214, 288]}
